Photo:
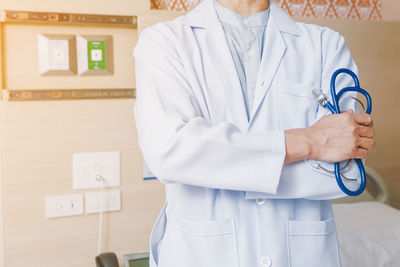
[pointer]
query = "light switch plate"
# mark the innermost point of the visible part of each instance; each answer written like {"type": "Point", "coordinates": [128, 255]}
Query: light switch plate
{"type": "Point", "coordinates": [64, 205]}
{"type": "Point", "coordinates": [57, 54]}
{"type": "Point", "coordinates": [86, 166]}
{"type": "Point", "coordinates": [95, 54]}
{"type": "Point", "coordinates": [111, 201]}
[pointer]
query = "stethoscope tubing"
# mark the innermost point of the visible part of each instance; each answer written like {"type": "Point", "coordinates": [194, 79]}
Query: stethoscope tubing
{"type": "Point", "coordinates": [334, 108]}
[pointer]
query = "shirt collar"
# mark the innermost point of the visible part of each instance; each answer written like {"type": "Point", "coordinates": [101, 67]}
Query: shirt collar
{"type": "Point", "coordinates": [229, 16]}
{"type": "Point", "coordinates": [204, 16]}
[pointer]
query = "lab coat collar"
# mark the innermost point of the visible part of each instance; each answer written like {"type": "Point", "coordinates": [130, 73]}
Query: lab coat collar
{"type": "Point", "coordinates": [204, 16]}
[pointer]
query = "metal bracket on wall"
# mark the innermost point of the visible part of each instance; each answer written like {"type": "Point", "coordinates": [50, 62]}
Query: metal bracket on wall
{"type": "Point", "coordinates": [69, 94]}
{"type": "Point", "coordinates": [68, 18]}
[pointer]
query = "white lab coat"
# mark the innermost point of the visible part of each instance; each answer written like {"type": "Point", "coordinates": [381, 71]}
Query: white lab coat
{"type": "Point", "coordinates": [230, 200]}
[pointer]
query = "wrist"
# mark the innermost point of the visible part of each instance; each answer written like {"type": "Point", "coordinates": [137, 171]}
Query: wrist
{"type": "Point", "coordinates": [299, 145]}
{"type": "Point", "coordinates": [310, 143]}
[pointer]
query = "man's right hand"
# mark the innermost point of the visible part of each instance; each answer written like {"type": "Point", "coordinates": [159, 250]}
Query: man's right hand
{"type": "Point", "coordinates": [334, 138]}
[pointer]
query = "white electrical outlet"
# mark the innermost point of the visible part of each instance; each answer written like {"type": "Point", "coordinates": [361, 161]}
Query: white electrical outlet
{"type": "Point", "coordinates": [64, 205]}
{"type": "Point", "coordinates": [86, 166]}
{"type": "Point", "coordinates": [111, 201]}
{"type": "Point", "coordinates": [56, 54]}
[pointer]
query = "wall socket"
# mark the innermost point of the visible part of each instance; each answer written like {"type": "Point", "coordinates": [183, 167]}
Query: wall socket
{"type": "Point", "coordinates": [64, 205]}
{"type": "Point", "coordinates": [86, 166]}
{"type": "Point", "coordinates": [111, 201]}
{"type": "Point", "coordinates": [57, 54]}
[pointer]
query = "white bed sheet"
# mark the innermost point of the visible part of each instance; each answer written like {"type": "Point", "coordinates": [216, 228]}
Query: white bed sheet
{"type": "Point", "coordinates": [369, 234]}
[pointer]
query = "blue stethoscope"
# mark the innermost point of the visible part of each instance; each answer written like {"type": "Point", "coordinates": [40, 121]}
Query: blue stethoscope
{"type": "Point", "coordinates": [321, 98]}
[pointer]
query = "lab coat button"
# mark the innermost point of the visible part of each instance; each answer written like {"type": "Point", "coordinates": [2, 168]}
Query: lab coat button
{"type": "Point", "coordinates": [262, 83]}
{"type": "Point", "coordinates": [250, 53]}
{"type": "Point", "coordinates": [246, 21]}
{"type": "Point", "coordinates": [266, 262]}
{"type": "Point", "coordinates": [260, 201]}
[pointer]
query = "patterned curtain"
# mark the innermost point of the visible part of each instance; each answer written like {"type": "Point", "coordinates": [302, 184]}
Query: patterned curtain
{"type": "Point", "coordinates": [339, 9]}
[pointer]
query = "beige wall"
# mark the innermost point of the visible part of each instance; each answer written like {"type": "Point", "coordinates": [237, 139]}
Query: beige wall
{"type": "Point", "coordinates": [391, 10]}
{"type": "Point", "coordinates": [38, 138]}
{"type": "Point", "coordinates": [1, 157]}
{"type": "Point", "coordinates": [115, 7]}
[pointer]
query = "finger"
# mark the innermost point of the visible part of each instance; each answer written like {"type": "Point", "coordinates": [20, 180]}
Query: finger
{"type": "Point", "coordinates": [371, 124]}
{"type": "Point", "coordinates": [363, 118]}
{"type": "Point", "coordinates": [367, 131]}
{"type": "Point", "coordinates": [361, 153]}
{"type": "Point", "coordinates": [366, 143]}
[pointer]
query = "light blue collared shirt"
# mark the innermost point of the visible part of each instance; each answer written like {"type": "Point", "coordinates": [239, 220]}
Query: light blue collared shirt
{"type": "Point", "coordinates": [245, 35]}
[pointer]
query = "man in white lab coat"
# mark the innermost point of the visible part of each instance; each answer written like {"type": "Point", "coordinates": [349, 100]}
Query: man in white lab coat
{"type": "Point", "coordinates": [240, 160]}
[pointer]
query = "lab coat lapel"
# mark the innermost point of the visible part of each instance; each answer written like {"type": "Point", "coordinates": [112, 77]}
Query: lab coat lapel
{"type": "Point", "coordinates": [222, 65]}
{"type": "Point", "coordinates": [273, 52]}
{"type": "Point", "coordinates": [225, 70]}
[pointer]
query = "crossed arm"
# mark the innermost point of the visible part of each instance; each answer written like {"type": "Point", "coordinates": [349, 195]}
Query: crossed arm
{"type": "Point", "coordinates": [181, 146]}
{"type": "Point", "coordinates": [334, 138]}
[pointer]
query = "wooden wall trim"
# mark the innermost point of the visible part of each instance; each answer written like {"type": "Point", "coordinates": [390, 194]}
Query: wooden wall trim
{"type": "Point", "coordinates": [69, 94]}
{"type": "Point", "coordinates": [68, 18]}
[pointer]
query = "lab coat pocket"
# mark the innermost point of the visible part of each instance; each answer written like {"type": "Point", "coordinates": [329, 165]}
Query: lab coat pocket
{"type": "Point", "coordinates": [313, 243]}
{"type": "Point", "coordinates": [199, 243]}
{"type": "Point", "coordinates": [296, 105]}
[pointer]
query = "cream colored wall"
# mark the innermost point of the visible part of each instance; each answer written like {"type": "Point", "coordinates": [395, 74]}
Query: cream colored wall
{"type": "Point", "coordinates": [1, 156]}
{"type": "Point", "coordinates": [116, 7]}
{"type": "Point", "coordinates": [390, 10]}
{"type": "Point", "coordinates": [38, 138]}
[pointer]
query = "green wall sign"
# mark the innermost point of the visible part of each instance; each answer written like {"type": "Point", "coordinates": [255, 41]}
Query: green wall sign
{"type": "Point", "coordinates": [96, 55]}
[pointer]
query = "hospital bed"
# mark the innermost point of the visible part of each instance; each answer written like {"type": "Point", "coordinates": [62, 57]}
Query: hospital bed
{"type": "Point", "coordinates": [368, 228]}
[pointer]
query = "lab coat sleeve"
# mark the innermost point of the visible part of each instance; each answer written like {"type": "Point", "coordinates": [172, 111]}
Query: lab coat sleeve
{"type": "Point", "coordinates": [180, 145]}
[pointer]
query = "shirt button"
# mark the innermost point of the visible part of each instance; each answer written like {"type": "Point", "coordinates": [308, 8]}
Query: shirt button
{"type": "Point", "coordinates": [260, 201]}
{"type": "Point", "coordinates": [266, 261]}
{"type": "Point", "coordinates": [250, 53]}
{"type": "Point", "coordinates": [246, 21]}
